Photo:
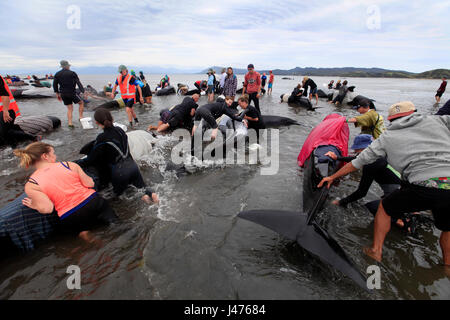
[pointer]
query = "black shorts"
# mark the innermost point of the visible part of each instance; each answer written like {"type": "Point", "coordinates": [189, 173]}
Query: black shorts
{"type": "Point", "coordinates": [70, 98]}
{"type": "Point", "coordinates": [439, 94]}
{"type": "Point", "coordinates": [129, 103]}
{"type": "Point", "coordinates": [174, 120]}
{"type": "Point", "coordinates": [412, 198]}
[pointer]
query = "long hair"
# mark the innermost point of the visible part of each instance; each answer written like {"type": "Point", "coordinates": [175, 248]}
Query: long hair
{"type": "Point", "coordinates": [32, 153]}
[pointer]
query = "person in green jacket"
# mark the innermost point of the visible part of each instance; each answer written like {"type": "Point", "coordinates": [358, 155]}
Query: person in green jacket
{"type": "Point", "coordinates": [370, 121]}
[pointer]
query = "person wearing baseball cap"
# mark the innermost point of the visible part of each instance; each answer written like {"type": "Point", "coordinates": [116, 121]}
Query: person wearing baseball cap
{"type": "Point", "coordinates": [418, 147]}
{"type": "Point", "coordinates": [370, 121]}
{"type": "Point", "coordinates": [64, 84]}
{"type": "Point", "coordinates": [379, 171]}
{"type": "Point", "coordinates": [252, 85]}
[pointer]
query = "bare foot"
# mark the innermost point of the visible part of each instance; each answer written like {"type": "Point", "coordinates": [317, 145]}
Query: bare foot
{"type": "Point", "coordinates": [86, 236]}
{"type": "Point", "coordinates": [372, 253]}
{"type": "Point", "coordinates": [154, 199]}
{"type": "Point", "coordinates": [335, 202]}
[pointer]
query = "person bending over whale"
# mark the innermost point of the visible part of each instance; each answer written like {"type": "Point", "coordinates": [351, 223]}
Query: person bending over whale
{"type": "Point", "coordinates": [252, 117]}
{"type": "Point", "coordinates": [210, 112]}
{"type": "Point", "coordinates": [179, 116]}
{"type": "Point", "coordinates": [110, 155]}
{"type": "Point", "coordinates": [62, 187]}
{"type": "Point", "coordinates": [417, 146]}
{"type": "Point", "coordinates": [379, 171]}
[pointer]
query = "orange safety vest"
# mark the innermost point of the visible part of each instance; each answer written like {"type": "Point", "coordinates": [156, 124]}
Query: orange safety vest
{"type": "Point", "coordinates": [126, 90]}
{"type": "Point", "coordinates": [12, 102]}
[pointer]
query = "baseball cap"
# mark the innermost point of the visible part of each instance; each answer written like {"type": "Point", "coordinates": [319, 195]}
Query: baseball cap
{"type": "Point", "coordinates": [251, 66]}
{"type": "Point", "coordinates": [401, 109]}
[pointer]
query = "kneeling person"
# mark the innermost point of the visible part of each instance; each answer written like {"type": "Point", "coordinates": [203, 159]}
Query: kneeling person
{"type": "Point", "coordinates": [179, 116]}
{"type": "Point", "coordinates": [212, 111]}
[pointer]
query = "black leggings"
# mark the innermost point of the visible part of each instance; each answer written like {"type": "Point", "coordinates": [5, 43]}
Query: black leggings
{"type": "Point", "coordinates": [125, 173]}
{"type": "Point", "coordinates": [94, 213]}
{"type": "Point", "coordinates": [252, 97]}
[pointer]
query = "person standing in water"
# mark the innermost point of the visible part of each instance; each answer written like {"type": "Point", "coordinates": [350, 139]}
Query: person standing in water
{"type": "Point", "coordinates": [127, 85]}
{"type": "Point", "coordinates": [230, 84]}
{"type": "Point", "coordinates": [441, 90]}
{"type": "Point", "coordinates": [222, 80]}
{"type": "Point", "coordinates": [263, 82]}
{"type": "Point", "coordinates": [211, 85]}
{"type": "Point", "coordinates": [64, 84]}
{"type": "Point", "coordinates": [271, 78]}
{"type": "Point", "coordinates": [252, 85]}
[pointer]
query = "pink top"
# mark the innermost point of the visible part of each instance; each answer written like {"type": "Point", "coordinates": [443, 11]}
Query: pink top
{"type": "Point", "coordinates": [252, 82]}
{"type": "Point", "coordinates": [63, 187]}
{"type": "Point", "coordinates": [271, 78]}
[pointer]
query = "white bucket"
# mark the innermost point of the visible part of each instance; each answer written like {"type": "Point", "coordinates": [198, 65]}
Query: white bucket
{"type": "Point", "coordinates": [86, 123]}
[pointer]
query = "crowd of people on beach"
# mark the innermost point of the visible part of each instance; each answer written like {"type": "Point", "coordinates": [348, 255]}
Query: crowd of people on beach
{"type": "Point", "coordinates": [410, 159]}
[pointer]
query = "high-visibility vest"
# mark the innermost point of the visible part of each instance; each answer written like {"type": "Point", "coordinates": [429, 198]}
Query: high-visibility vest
{"type": "Point", "coordinates": [126, 90]}
{"type": "Point", "coordinates": [12, 102]}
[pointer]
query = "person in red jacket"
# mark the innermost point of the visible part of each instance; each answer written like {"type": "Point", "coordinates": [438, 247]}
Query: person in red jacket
{"type": "Point", "coordinates": [252, 86]}
{"type": "Point", "coordinates": [441, 90]}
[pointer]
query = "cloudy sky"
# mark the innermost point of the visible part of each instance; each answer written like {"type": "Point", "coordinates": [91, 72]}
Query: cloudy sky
{"type": "Point", "coordinates": [403, 35]}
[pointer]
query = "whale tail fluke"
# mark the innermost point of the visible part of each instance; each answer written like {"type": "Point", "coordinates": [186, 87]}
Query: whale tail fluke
{"type": "Point", "coordinates": [312, 237]}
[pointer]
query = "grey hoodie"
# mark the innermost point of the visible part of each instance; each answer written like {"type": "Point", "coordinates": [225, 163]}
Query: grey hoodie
{"type": "Point", "coordinates": [417, 146]}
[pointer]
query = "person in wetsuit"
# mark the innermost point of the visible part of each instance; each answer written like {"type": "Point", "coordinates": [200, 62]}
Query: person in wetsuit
{"type": "Point", "coordinates": [179, 116]}
{"type": "Point", "coordinates": [210, 112]}
{"type": "Point", "coordinates": [110, 155]}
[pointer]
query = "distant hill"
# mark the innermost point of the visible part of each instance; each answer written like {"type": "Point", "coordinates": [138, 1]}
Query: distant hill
{"type": "Point", "coordinates": [348, 72]}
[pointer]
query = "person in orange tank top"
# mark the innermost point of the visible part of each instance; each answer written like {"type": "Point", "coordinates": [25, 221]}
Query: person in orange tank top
{"type": "Point", "coordinates": [62, 187]}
